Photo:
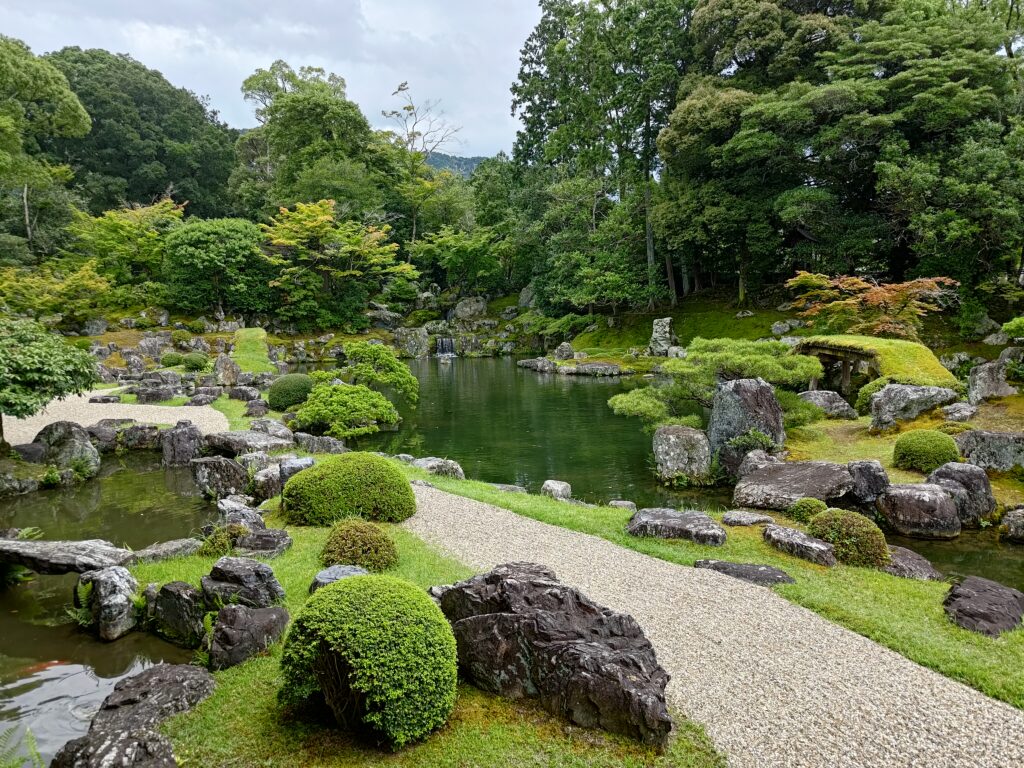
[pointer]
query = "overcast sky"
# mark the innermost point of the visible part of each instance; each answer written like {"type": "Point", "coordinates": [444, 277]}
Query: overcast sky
{"type": "Point", "coordinates": [463, 52]}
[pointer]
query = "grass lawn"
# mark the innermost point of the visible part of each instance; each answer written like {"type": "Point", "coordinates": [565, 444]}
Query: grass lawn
{"type": "Point", "coordinates": [251, 352]}
{"type": "Point", "coordinates": [901, 614]}
{"type": "Point", "coordinates": [242, 725]}
{"type": "Point", "coordinates": [235, 412]}
{"type": "Point", "coordinates": [174, 401]}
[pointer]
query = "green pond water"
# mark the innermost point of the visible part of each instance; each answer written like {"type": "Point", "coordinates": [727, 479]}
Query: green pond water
{"type": "Point", "coordinates": [53, 676]}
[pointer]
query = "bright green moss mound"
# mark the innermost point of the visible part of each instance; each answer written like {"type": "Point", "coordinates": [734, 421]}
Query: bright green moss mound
{"type": "Point", "coordinates": [902, 362]}
{"type": "Point", "coordinates": [380, 654]}
{"type": "Point", "coordinates": [857, 540]}
{"type": "Point", "coordinates": [357, 542]}
{"type": "Point", "coordinates": [349, 485]}
{"type": "Point", "coordinates": [924, 450]}
{"type": "Point", "coordinates": [288, 391]}
{"type": "Point", "coordinates": [804, 509]}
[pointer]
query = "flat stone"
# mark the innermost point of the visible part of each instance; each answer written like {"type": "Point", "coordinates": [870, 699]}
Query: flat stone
{"type": "Point", "coordinates": [905, 402]}
{"type": "Point", "coordinates": [984, 606]}
{"type": "Point", "coordinates": [55, 557]}
{"type": "Point", "coordinates": [670, 524]}
{"type": "Point", "coordinates": [800, 544]}
{"type": "Point", "coordinates": [245, 441]}
{"type": "Point", "coordinates": [920, 510]}
{"type": "Point", "coordinates": [743, 517]}
{"type": "Point", "coordinates": [762, 575]}
{"type": "Point", "coordinates": [507, 488]}
{"type": "Point", "coordinates": [778, 485]}
{"type": "Point", "coordinates": [622, 504]}
{"type": "Point", "coordinates": [168, 549]}
{"type": "Point", "coordinates": [959, 412]}
{"type": "Point", "coordinates": [907, 564]}
{"type": "Point", "coordinates": [335, 573]}
{"type": "Point", "coordinates": [441, 467]}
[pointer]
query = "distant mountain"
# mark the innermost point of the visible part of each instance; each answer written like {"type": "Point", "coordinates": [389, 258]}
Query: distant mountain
{"type": "Point", "coordinates": [463, 165]}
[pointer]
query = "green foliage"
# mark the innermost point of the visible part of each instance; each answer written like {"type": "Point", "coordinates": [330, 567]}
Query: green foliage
{"type": "Point", "coordinates": [344, 410]}
{"type": "Point", "coordinates": [195, 361]}
{"type": "Point", "coordinates": [865, 393]}
{"type": "Point", "coordinates": [75, 294]}
{"type": "Point", "coordinates": [857, 540]}
{"type": "Point", "coordinates": [377, 364]}
{"type": "Point", "coordinates": [651, 408]}
{"type": "Point", "coordinates": [348, 485]}
{"type": "Point", "coordinates": [251, 352]}
{"type": "Point", "coordinates": [379, 652]}
{"type": "Point", "coordinates": [356, 542]}
{"type": "Point", "coordinates": [171, 359]}
{"type": "Point", "coordinates": [1014, 328]}
{"type": "Point", "coordinates": [797, 412]}
{"type": "Point", "coordinates": [181, 337]}
{"type": "Point", "coordinates": [924, 450]}
{"type": "Point", "coordinates": [11, 750]}
{"type": "Point", "coordinates": [288, 391]}
{"type": "Point", "coordinates": [221, 540]}
{"type": "Point", "coordinates": [802, 510]}
{"type": "Point", "coordinates": [754, 440]}
{"type": "Point", "coordinates": [468, 259]}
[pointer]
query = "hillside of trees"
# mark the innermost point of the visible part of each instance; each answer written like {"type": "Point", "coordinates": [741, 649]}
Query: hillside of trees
{"type": "Point", "coordinates": [464, 166]}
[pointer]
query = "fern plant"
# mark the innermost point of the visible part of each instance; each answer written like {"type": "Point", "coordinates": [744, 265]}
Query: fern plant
{"type": "Point", "coordinates": [19, 753]}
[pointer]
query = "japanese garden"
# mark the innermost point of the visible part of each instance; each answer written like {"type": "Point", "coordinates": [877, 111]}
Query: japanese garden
{"type": "Point", "coordinates": [686, 429]}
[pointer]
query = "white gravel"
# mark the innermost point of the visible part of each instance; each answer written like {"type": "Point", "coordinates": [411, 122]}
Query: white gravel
{"type": "Point", "coordinates": [79, 410]}
{"type": "Point", "coordinates": [774, 684]}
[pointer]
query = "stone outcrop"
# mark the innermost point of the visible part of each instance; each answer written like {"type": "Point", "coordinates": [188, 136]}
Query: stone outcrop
{"type": "Point", "coordinates": [662, 337]}
{"type": "Point", "coordinates": [832, 403]}
{"type": "Point", "coordinates": [539, 364]}
{"type": "Point", "coordinates": [522, 633]}
{"type": "Point", "coordinates": [762, 575]}
{"type": "Point", "coordinates": [740, 407]}
{"type": "Point", "coordinates": [800, 544]}
{"type": "Point", "coordinates": [959, 412]}
{"type": "Point", "coordinates": [178, 613]}
{"type": "Point", "coordinates": [218, 476]}
{"type": "Point", "coordinates": [242, 580]}
{"type": "Point", "coordinates": [240, 632]}
{"type": "Point", "coordinates": [55, 557]}
{"type": "Point", "coordinates": [319, 444]}
{"type": "Point", "coordinates": [920, 510]}
{"type": "Point", "coordinates": [905, 402]}
{"type": "Point", "coordinates": [564, 351]}
{"type": "Point", "coordinates": [778, 485]}
{"type": "Point", "coordinates": [125, 732]}
{"type": "Point", "coordinates": [226, 371]}
{"type": "Point", "coordinates": [984, 606]}
{"type": "Point", "coordinates": [971, 491]}
{"type": "Point", "coordinates": [245, 441]}
{"type": "Point", "coordinates": [869, 481]}
{"type": "Point", "coordinates": [556, 489]}
{"type": "Point", "coordinates": [987, 382]}
{"type": "Point", "coordinates": [167, 550]}
{"type": "Point", "coordinates": [681, 452]}
{"type": "Point", "coordinates": [907, 564]}
{"type": "Point", "coordinates": [1001, 451]}
{"type": "Point", "coordinates": [1012, 526]}
{"type": "Point", "coordinates": [470, 308]}
{"type": "Point", "coordinates": [256, 408]}
{"type": "Point", "coordinates": [442, 467]}
{"type": "Point", "coordinates": [66, 445]}
{"type": "Point", "coordinates": [180, 444]}
{"type": "Point", "coordinates": [245, 394]}
{"type": "Point", "coordinates": [274, 428]}
{"type": "Point", "coordinates": [291, 467]}
{"type": "Point", "coordinates": [266, 484]}
{"type": "Point", "coordinates": [111, 600]}
{"type": "Point", "coordinates": [263, 542]}
{"type": "Point", "coordinates": [412, 342]}
{"type": "Point", "coordinates": [335, 573]}
{"type": "Point", "coordinates": [669, 524]}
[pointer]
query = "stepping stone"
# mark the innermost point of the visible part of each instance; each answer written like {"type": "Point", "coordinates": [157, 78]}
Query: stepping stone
{"type": "Point", "coordinates": [984, 606]}
{"type": "Point", "coordinates": [762, 575]}
{"type": "Point", "coordinates": [670, 524]}
{"type": "Point", "coordinates": [907, 564]}
{"type": "Point", "coordinates": [799, 544]}
{"type": "Point", "coordinates": [105, 399]}
{"type": "Point", "coordinates": [622, 504]}
{"type": "Point", "coordinates": [742, 517]}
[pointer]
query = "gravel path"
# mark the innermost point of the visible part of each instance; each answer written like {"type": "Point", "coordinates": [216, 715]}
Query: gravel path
{"type": "Point", "coordinates": [775, 685]}
{"type": "Point", "coordinates": [79, 410]}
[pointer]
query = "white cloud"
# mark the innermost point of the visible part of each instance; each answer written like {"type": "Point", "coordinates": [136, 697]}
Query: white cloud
{"type": "Point", "coordinates": [464, 53]}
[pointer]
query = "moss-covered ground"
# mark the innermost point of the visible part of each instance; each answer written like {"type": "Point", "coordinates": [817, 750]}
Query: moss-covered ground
{"type": "Point", "coordinates": [241, 724]}
{"type": "Point", "coordinates": [904, 361]}
{"type": "Point", "coordinates": [251, 352]}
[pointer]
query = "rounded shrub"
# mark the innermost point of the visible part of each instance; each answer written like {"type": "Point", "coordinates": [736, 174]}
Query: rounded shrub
{"type": "Point", "coordinates": [171, 359]}
{"type": "Point", "coordinates": [356, 542]}
{"type": "Point", "coordinates": [195, 361]}
{"type": "Point", "coordinates": [349, 485]}
{"type": "Point", "coordinates": [804, 509]}
{"type": "Point", "coordinates": [289, 390]}
{"type": "Point", "coordinates": [378, 652]}
{"type": "Point", "coordinates": [857, 540]}
{"type": "Point", "coordinates": [181, 337]}
{"type": "Point", "coordinates": [924, 450]}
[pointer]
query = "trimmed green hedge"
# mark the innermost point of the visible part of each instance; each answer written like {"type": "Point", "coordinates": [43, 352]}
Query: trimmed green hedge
{"type": "Point", "coordinates": [171, 359]}
{"type": "Point", "coordinates": [288, 391]}
{"type": "Point", "coordinates": [924, 450]}
{"type": "Point", "coordinates": [379, 652]}
{"type": "Point", "coordinates": [357, 542]}
{"type": "Point", "coordinates": [857, 540]}
{"type": "Point", "coordinates": [804, 509]}
{"type": "Point", "coordinates": [195, 361]}
{"type": "Point", "coordinates": [349, 485]}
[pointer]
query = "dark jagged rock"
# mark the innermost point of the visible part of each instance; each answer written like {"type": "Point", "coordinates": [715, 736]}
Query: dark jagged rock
{"type": "Point", "coordinates": [754, 461]}
{"type": "Point", "coordinates": [1001, 451]}
{"type": "Point", "coordinates": [800, 544]}
{"type": "Point", "coordinates": [742, 405]}
{"type": "Point", "coordinates": [762, 575]}
{"type": "Point", "coordinates": [167, 550]}
{"type": "Point", "coordinates": [266, 484]}
{"type": "Point", "coordinates": [105, 399]}
{"type": "Point", "coordinates": [178, 613]}
{"type": "Point", "coordinates": [241, 580]}
{"type": "Point", "coordinates": [236, 513]}
{"type": "Point", "coordinates": [103, 433]}
{"type": "Point", "coordinates": [778, 485]}
{"type": "Point", "coordinates": [111, 600]}
{"type": "Point", "coordinates": [244, 394]}
{"type": "Point", "coordinates": [198, 400]}
{"type": "Point", "coordinates": [670, 524]}
{"type": "Point", "coordinates": [226, 371]}
{"type": "Point", "coordinates": [509, 488]}
{"type": "Point", "coordinates": [218, 476]}
{"type": "Point", "coordinates": [319, 444]}
{"type": "Point", "coordinates": [55, 557]}
{"type": "Point", "coordinates": [869, 481]}
{"type": "Point", "coordinates": [522, 633]}
{"type": "Point", "coordinates": [257, 408]}
{"type": "Point", "coordinates": [124, 733]}
{"type": "Point", "coordinates": [67, 446]}
{"type": "Point", "coordinates": [907, 564]}
{"type": "Point", "coordinates": [180, 444]}
{"type": "Point", "coordinates": [253, 462]}
{"type": "Point", "coordinates": [905, 402]}
{"type": "Point", "coordinates": [245, 441]}
{"type": "Point", "coordinates": [147, 395]}
{"type": "Point", "coordinates": [335, 573]}
{"type": "Point", "coordinates": [984, 606]}
{"type": "Point", "coordinates": [139, 437]}
{"type": "Point", "coordinates": [970, 488]}
{"type": "Point", "coordinates": [241, 632]}
{"type": "Point", "coordinates": [920, 510]}
{"type": "Point", "coordinates": [539, 364]}
{"type": "Point", "coordinates": [263, 542]}
{"type": "Point", "coordinates": [832, 403]}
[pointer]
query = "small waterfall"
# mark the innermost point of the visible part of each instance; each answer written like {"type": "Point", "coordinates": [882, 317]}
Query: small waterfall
{"type": "Point", "coordinates": [445, 346]}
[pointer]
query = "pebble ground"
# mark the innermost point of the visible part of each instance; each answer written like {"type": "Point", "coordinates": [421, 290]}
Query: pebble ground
{"type": "Point", "coordinates": [775, 685]}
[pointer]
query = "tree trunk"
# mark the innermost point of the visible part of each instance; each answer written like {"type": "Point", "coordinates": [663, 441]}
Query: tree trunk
{"type": "Point", "coordinates": [743, 283]}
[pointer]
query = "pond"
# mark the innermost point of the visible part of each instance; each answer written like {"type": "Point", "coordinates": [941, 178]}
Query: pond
{"type": "Point", "coordinates": [504, 424]}
{"type": "Point", "coordinates": [54, 676]}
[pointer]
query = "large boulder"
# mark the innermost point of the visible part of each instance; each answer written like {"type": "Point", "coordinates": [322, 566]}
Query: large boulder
{"type": "Point", "coordinates": [970, 488]}
{"type": "Point", "coordinates": [266, 483]}
{"type": "Point", "coordinates": [959, 412]}
{"type": "Point", "coordinates": [218, 476]}
{"type": "Point", "coordinates": [178, 614]}
{"type": "Point", "coordinates": [245, 394]}
{"type": "Point", "coordinates": [263, 542]}
{"type": "Point", "coordinates": [1001, 451]}
{"type": "Point", "coordinates": [564, 351]}
{"type": "Point", "coordinates": [800, 544]}
{"type": "Point", "coordinates": [740, 407]}
{"type": "Point", "coordinates": [662, 337]}
{"type": "Point", "coordinates": [988, 381]}
{"type": "Point", "coordinates": [522, 633]}
{"type": "Point", "coordinates": [556, 489]}
{"type": "Point", "coordinates": [745, 518]}
{"type": "Point", "coordinates": [180, 444]}
{"type": "Point", "coordinates": [442, 467]}
{"type": "Point", "coordinates": [670, 524]}
{"type": "Point", "coordinates": [762, 575]}
{"type": "Point", "coordinates": [256, 408]}
{"type": "Point", "coordinates": [470, 308]}
{"type": "Point", "coordinates": [124, 733]}
{"type": "Point", "coordinates": [412, 342]}
{"type": "Point", "coordinates": [905, 402]}
{"type": "Point", "coordinates": [139, 437]}
{"type": "Point", "coordinates": [984, 606]}
{"type": "Point", "coordinates": [319, 443]}
{"type": "Point", "coordinates": [681, 452]}
{"type": "Point", "coordinates": [292, 466]}
{"type": "Point", "coordinates": [832, 403]}
{"type": "Point", "coordinates": [539, 364]}
{"type": "Point", "coordinates": [272, 427]}
{"type": "Point", "coordinates": [226, 371]}
{"type": "Point", "coordinates": [240, 632]}
{"type": "Point", "coordinates": [920, 510]}
{"type": "Point", "coordinates": [241, 580]}
{"type": "Point", "coordinates": [907, 564]}
{"type": "Point", "coordinates": [103, 434]}
{"type": "Point", "coordinates": [245, 441]}
{"type": "Point", "coordinates": [869, 481]}
{"type": "Point", "coordinates": [149, 395]}
{"type": "Point", "coordinates": [66, 445]}
{"type": "Point", "coordinates": [111, 600]}
{"type": "Point", "coordinates": [1012, 526]}
{"type": "Point", "coordinates": [55, 557]}
{"type": "Point", "coordinates": [778, 485]}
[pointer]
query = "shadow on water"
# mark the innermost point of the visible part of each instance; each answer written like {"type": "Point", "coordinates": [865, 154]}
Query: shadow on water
{"type": "Point", "coordinates": [53, 676]}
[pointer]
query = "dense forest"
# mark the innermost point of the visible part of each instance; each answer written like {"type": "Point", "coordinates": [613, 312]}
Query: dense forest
{"type": "Point", "coordinates": [666, 147]}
